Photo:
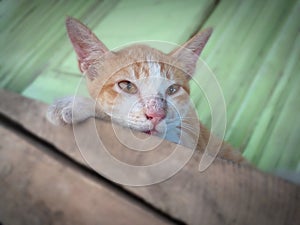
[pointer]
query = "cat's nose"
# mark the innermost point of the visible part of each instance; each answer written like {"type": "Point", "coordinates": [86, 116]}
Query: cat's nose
{"type": "Point", "coordinates": [155, 109]}
{"type": "Point", "coordinates": [155, 117]}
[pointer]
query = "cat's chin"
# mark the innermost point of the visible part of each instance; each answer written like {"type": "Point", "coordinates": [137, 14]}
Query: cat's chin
{"type": "Point", "coordinates": [151, 132]}
{"type": "Point", "coordinates": [159, 130]}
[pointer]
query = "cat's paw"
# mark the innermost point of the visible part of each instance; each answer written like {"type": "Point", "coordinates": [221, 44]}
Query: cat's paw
{"type": "Point", "coordinates": [60, 112]}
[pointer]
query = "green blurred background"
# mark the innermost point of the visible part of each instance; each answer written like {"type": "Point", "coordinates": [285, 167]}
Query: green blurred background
{"type": "Point", "coordinates": [254, 52]}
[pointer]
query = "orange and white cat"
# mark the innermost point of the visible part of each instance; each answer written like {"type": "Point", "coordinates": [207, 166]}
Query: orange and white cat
{"type": "Point", "coordinates": [138, 87]}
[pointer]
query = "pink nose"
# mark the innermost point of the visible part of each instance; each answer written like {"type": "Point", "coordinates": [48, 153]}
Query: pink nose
{"type": "Point", "coordinates": [155, 109]}
{"type": "Point", "coordinates": [155, 117]}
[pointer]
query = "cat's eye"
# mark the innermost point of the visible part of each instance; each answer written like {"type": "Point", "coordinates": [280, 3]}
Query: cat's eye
{"type": "Point", "coordinates": [127, 87]}
{"type": "Point", "coordinates": [173, 89]}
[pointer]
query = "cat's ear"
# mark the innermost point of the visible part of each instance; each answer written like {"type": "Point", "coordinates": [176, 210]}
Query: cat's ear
{"type": "Point", "coordinates": [86, 45]}
{"type": "Point", "coordinates": [189, 53]}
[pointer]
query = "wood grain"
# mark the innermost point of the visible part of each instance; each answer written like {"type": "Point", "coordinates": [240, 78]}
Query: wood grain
{"type": "Point", "coordinates": [37, 189]}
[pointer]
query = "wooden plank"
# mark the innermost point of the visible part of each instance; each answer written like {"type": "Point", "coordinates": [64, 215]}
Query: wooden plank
{"type": "Point", "coordinates": [224, 194]}
{"type": "Point", "coordinates": [36, 188]}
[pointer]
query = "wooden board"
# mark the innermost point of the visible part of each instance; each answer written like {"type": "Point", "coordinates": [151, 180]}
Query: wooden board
{"type": "Point", "coordinates": [224, 194]}
{"type": "Point", "coordinates": [37, 188]}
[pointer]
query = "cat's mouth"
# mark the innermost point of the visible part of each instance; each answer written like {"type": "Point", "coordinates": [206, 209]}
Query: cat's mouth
{"type": "Point", "coordinates": [156, 129]}
{"type": "Point", "coordinates": [151, 132]}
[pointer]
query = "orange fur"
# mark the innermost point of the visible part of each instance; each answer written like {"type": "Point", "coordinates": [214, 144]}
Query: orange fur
{"type": "Point", "coordinates": [104, 69]}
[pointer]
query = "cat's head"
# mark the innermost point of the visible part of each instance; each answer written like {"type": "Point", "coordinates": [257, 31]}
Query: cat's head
{"type": "Point", "coordinates": [139, 86]}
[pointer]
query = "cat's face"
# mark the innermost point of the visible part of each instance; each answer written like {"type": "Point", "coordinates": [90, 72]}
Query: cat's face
{"type": "Point", "coordinates": [139, 87]}
{"type": "Point", "coordinates": [147, 91]}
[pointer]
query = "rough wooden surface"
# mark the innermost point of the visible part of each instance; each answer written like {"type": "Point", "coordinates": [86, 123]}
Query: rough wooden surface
{"type": "Point", "coordinates": [37, 189]}
{"type": "Point", "coordinates": [223, 194]}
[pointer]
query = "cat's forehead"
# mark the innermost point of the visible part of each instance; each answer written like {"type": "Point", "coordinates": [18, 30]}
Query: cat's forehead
{"type": "Point", "coordinates": [142, 62]}
{"type": "Point", "coordinates": [139, 51]}
{"type": "Point", "coordinates": [148, 69]}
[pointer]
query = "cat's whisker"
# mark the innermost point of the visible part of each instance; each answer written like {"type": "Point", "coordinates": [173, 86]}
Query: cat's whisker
{"type": "Point", "coordinates": [187, 127]}
{"type": "Point", "coordinates": [182, 119]}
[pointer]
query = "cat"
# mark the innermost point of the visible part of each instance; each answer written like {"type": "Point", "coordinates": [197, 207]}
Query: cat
{"type": "Point", "coordinates": [138, 87]}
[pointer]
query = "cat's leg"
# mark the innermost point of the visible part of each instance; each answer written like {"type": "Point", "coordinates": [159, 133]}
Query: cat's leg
{"type": "Point", "coordinates": [74, 109]}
